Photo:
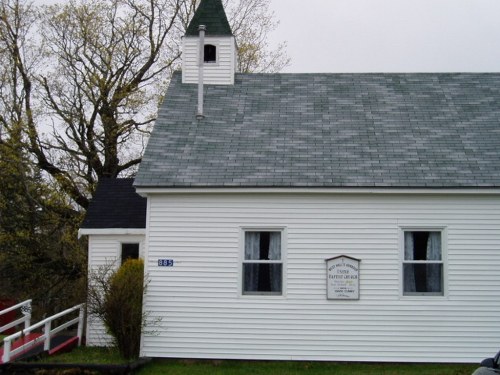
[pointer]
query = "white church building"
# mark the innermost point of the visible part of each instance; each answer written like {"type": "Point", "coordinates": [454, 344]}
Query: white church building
{"type": "Point", "coordinates": [329, 217]}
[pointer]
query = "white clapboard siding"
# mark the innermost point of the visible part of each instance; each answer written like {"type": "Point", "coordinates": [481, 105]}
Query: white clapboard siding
{"type": "Point", "coordinates": [202, 313]}
{"type": "Point", "coordinates": [219, 73]}
{"type": "Point", "coordinates": [105, 250]}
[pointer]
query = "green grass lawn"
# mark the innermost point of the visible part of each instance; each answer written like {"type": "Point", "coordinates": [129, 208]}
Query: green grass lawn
{"type": "Point", "coordinates": [179, 367]}
{"type": "Point", "coordinates": [193, 367]}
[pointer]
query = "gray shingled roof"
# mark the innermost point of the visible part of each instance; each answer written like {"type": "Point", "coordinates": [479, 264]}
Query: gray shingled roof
{"type": "Point", "coordinates": [211, 14]}
{"type": "Point", "coordinates": [329, 130]}
{"type": "Point", "coordinates": [116, 205]}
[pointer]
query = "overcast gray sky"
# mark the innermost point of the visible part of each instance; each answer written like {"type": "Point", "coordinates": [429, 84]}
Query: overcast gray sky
{"type": "Point", "coordinates": [390, 35]}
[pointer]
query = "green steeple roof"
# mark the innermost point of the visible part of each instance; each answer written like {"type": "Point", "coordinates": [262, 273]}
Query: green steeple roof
{"type": "Point", "coordinates": [211, 14]}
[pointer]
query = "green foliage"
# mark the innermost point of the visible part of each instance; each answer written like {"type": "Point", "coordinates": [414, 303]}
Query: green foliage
{"type": "Point", "coordinates": [122, 313]}
{"type": "Point", "coordinates": [40, 257]}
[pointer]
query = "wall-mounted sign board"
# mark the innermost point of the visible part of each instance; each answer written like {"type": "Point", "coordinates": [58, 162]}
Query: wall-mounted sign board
{"type": "Point", "coordinates": [342, 278]}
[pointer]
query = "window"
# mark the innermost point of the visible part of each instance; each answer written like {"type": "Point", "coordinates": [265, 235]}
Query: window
{"type": "Point", "coordinates": [263, 264]}
{"type": "Point", "coordinates": [210, 53]}
{"type": "Point", "coordinates": [130, 251]}
{"type": "Point", "coordinates": [423, 263]}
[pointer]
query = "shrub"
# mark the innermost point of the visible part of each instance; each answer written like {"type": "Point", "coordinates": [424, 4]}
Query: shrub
{"type": "Point", "coordinates": [122, 307]}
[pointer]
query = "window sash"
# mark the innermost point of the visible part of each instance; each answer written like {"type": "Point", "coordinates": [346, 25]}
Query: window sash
{"type": "Point", "coordinates": [262, 278]}
{"type": "Point", "coordinates": [423, 277]}
{"type": "Point", "coordinates": [433, 241]}
{"type": "Point", "coordinates": [264, 274]}
{"type": "Point", "coordinates": [255, 239]}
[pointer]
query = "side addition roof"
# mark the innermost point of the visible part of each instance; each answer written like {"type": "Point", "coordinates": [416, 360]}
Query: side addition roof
{"type": "Point", "coordinates": [116, 205]}
{"type": "Point", "coordinates": [329, 131]}
{"type": "Point", "coordinates": [211, 14]}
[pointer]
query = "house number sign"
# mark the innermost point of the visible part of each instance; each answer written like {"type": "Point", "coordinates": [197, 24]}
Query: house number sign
{"type": "Point", "coordinates": [342, 278]}
{"type": "Point", "coordinates": [165, 262]}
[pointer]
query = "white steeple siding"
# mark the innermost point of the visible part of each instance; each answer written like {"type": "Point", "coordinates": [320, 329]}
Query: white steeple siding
{"type": "Point", "coordinates": [220, 72]}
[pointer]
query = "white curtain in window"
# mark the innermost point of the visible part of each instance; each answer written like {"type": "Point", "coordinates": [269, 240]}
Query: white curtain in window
{"type": "Point", "coordinates": [252, 252]}
{"type": "Point", "coordinates": [434, 270]}
{"type": "Point", "coordinates": [252, 245]}
{"type": "Point", "coordinates": [275, 246]}
{"type": "Point", "coordinates": [275, 254]}
{"type": "Point", "coordinates": [409, 270]}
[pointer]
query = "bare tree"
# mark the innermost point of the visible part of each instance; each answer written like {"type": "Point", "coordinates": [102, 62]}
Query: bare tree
{"type": "Point", "coordinates": [251, 22]}
{"type": "Point", "coordinates": [112, 61]}
{"type": "Point", "coordinates": [84, 78]}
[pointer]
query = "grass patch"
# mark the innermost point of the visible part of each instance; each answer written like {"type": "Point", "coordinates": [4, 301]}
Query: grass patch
{"type": "Point", "coordinates": [88, 355]}
{"type": "Point", "coordinates": [185, 367]}
{"type": "Point", "coordinates": [110, 356]}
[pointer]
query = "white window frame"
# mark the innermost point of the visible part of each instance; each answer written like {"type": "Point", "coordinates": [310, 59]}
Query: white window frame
{"type": "Point", "coordinates": [444, 261]}
{"type": "Point", "coordinates": [241, 260]}
{"type": "Point", "coordinates": [132, 239]}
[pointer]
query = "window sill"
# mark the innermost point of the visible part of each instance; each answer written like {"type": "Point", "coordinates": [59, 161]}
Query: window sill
{"type": "Point", "coordinates": [260, 294]}
{"type": "Point", "coordinates": [423, 296]}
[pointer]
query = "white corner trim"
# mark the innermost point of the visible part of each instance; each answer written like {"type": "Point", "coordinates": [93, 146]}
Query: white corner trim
{"type": "Point", "coordinates": [113, 231]}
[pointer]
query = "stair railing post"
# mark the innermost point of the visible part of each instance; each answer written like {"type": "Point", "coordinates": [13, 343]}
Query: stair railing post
{"type": "Point", "coordinates": [26, 311]}
{"type": "Point", "coordinates": [80, 325]}
{"type": "Point", "coordinates": [46, 344]}
{"type": "Point", "coordinates": [6, 351]}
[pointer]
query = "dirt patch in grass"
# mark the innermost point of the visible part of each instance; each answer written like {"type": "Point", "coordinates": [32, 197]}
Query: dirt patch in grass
{"type": "Point", "coordinates": [90, 355]}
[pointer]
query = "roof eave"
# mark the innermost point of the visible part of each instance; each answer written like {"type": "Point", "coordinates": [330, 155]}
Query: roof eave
{"type": "Point", "coordinates": [146, 190]}
{"type": "Point", "coordinates": [111, 231]}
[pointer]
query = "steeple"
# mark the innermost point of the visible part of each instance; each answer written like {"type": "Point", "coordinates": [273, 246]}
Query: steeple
{"type": "Point", "coordinates": [211, 14]}
{"type": "Point", "coordinates": [218, 52]}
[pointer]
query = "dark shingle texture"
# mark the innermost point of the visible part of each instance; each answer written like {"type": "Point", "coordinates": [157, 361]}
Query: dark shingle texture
{"type": "Point", "coordinates": [116, 205]}
{"type": "Point", "coordinates": [329, 130]}
{"type": "Point", "coordinates": [211, 14]}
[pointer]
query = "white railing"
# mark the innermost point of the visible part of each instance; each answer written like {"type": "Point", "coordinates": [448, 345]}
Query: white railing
{"type": "Point", "coordinates": [25, 308]}
{"type": "Point", "coordinates": [48, 333]}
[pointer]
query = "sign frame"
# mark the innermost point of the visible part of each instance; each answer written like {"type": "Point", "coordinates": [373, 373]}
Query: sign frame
{"type": "Point", "coordinates": [343, 284]}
